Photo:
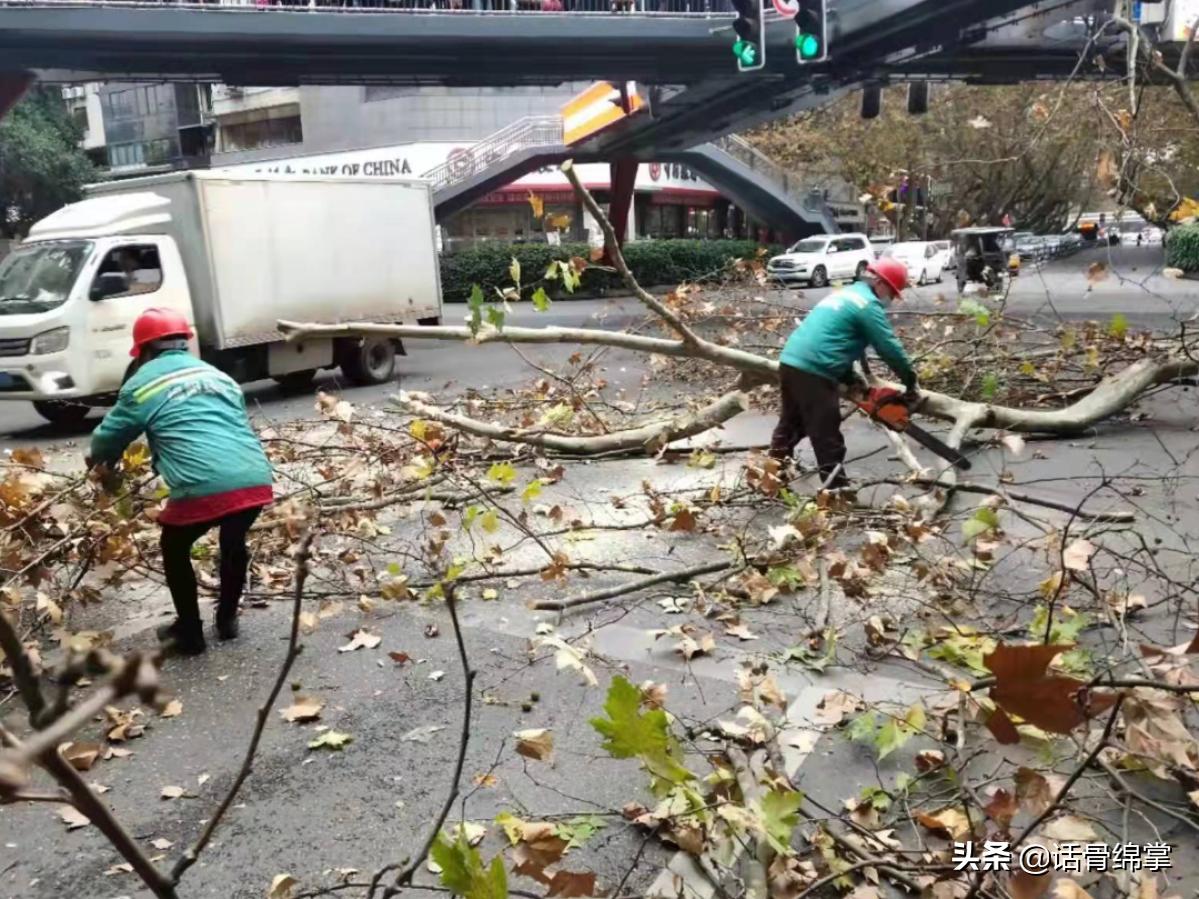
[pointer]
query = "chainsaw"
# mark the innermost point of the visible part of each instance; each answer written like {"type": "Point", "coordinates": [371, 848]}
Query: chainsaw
{"type": "Point", "coordinates": [888, 407]}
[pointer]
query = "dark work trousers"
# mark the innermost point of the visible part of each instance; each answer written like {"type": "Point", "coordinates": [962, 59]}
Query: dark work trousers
{"type": "Point", "coordinates": [177, 542]}
{"type": "Point", "coordinates": [810, 407]}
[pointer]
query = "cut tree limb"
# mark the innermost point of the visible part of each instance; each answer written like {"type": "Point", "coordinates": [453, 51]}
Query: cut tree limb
{"type": "Point", "coordinates": [649, 438]}
{"type": "Point", "coordinates": [560, 605]}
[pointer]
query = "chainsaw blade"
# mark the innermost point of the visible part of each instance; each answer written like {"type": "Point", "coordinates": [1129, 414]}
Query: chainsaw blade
{"type": "Point", "coordinates": [944, 450]}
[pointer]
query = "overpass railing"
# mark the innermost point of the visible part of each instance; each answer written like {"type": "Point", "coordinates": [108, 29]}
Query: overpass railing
{"type": "Point", "coordinates": [665, 8]}
{"type": "Point", "coordinates": [749, 155]}
{"type": "Point", "coordinates": [530, 133]}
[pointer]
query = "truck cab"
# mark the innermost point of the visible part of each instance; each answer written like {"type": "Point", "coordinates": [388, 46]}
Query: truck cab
{"type": "Point", "coordinates": [68, 299]}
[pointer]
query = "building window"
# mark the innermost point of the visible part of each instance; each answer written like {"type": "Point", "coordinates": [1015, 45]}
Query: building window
{"type": "Point", "coordinates": [375, 92]}
{"type": "Point", "coordinates": [261, 133]}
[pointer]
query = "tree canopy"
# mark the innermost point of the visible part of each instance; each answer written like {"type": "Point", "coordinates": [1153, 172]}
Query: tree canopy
{"type": "Point", "coordinates": [1028, 150]}
{"type": "Point", "coordinates": [41, 164]}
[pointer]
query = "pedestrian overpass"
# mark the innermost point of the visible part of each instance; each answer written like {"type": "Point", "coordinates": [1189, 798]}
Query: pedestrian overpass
{"type": "Point", "coordinates": [677, 50]}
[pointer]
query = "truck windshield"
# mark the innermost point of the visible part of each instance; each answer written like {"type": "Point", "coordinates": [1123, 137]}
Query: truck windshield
{"type": "Point", "coordinates": [39, 278]}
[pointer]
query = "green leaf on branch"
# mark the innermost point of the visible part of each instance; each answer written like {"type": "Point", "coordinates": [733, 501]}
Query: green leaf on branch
{"type": "Point", "coordinates": [983, 521]}
{"type": "Point", "coordinates": [630, 733]}
{"type": "Point", "coordinates": [475, 304]}
{"type": "Point", "coordinates": [980, 313]}
{"type": "Point", "coordinates": [990, 386]}
{"type": "Point", "coordinates": [780, 813]}
{"type": "Point", "coordinates": [502, 473]}
{"type": "Point", "coordinates": [896, 732]}
{"type": "Point", "coordinates": [495, 317]}
{"type": "Point", "coordinates": [531, 492]}
{"type": "Point", "coordinates": [463, 872]}
{"type": "Point", "coordinates": [514, 271]}
{"type": "Point", "coordinates": [541, 300]}
{"type": "Point", "coordinates": [490, 522]}
{"type": "Point", "coordinates": [578, 831]}
{"type": "Point", "coordinates": [1119, 326]}
{"type": "Point", "coordinates": [570, 277]}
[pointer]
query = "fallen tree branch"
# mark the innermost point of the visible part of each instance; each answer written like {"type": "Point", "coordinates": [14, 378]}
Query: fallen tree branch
{"type": "Point", "coordinates": [648, 438]}
{"type": "Point", "coordinates": [1107, 517]}
{"type": "Point", "coordinates": [686, 574]}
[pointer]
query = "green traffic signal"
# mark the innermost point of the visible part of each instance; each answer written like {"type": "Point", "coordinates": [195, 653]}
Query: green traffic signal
{"type": "Point", "coordinates": [808, 45]}
{"type": "Point", "coordinates": [746, 52]}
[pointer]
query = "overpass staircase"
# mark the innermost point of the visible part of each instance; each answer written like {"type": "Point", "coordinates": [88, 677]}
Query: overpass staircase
{"type": "Point", "coordinates": [742, 173]}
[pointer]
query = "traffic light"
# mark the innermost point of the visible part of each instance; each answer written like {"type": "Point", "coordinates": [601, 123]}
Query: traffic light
{"type": "Point", "coordinates": [750, 27]}
{"type": "Point", "coordinates": [811, 32]}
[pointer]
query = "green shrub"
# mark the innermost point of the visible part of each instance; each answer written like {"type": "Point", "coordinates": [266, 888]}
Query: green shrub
{"type": "Point", "coordinates": [653, 262]}
{"type": "Point", "coordinates": [1182, 248]}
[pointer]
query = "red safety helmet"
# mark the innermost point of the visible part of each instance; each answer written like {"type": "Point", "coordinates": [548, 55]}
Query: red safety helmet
{"type": "Point", "coordinates": [156, 324]}
{"type": "Point", "coordinates": [891, 271]}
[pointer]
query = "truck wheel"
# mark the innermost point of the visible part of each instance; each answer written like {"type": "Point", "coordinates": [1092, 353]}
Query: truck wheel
{"type": "Point", "coordinates": [295, 381]}
{"type": "Point", "coordinates": [61, 413]}
{"type": "Point", "coordinates": [370, 361]}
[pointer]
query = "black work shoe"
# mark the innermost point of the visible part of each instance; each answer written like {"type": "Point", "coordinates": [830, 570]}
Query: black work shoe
{"type": "Point", "coordinates": [176, 638]}
{"type": "Point", "coordinates": [226, 626]}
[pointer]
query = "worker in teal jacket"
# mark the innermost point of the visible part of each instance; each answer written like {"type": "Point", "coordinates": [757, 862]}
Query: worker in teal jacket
{"type": "Point", "coordinates": [194, 418]}
{"type": "Point", "coordinates": [819, 355]}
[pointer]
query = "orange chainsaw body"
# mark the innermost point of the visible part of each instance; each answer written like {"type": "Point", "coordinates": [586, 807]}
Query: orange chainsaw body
{"type": "Point", "coordinates": [887, 406]}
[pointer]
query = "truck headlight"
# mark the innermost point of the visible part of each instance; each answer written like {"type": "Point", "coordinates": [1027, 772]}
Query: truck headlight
{"type": "Point", "coordinates": [50, 342]}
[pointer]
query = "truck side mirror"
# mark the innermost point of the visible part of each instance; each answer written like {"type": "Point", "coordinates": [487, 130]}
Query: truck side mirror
{"type": "Point", "coordinates": [109, 284]}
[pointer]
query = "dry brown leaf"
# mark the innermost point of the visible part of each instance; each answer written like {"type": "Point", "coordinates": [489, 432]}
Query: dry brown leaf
{"type": "Point", "coordinates": [568, 884]}
{"type": "Point", "coordinates": [835, 707]}
{"type": "Point", "coordinates": [172, 792]}
{"type": "Point", "coordinates": [172, 709]}
{"type": "Point", "coordinates": [1065, 888]}
{"type": "Point", "coordinates": [929, 760]}
{"type": "Point", "coordinates": [81, 755]}
{"type": "Point", "coordinates": [1070, 829]}
{"type": "Point", "coordinates": [303, 708]}
{"type": "Point", "coordinates": [1053, 703]}
{"type": "Point", "coordinates": [281, 886]}
{"type": "Point", "coordinates": [485, 780]}
{"type": "Point", "coordinates": [1002, 728]}
{"type": "Point", "coordinates": [1096, 273]}
{"type": "Point", "coordinates": [1002, 807]}
{"type": "Point", "coordinates": [653, 696]}
{"type": "Point", "coordinates": [1033, 790]}
{"type": "Point", "coordinates": [740, 631]}
{"type": "Point", "coordinates": [361, 639]}
{"type": "Point", "coordinates": [789, 877]}
{"type": "Point", "coordinates": [535, 744]}
{"type": "Point", "coordinates": [161, 844]}
{"type": "Point", "coordinates": [950, 823]}
{"type": "Point", "coordinates": [400, 658]}
{"type": "Point", "coordinates": [73, 818]}
{"type": "Point", "coordinates": [1077, 556]}
{"type": "Point", "coordinates": [771, 693]}
{"type": "Point", "coordinates": [1023, 885]}
{"type": "Point", "coordinates": [119, 868]}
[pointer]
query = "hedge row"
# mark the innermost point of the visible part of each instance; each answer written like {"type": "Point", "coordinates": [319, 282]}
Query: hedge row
{"type": "Point", "coordinates": [653, 263]}
{"type": "Point", "coordinates": [1182, 248]}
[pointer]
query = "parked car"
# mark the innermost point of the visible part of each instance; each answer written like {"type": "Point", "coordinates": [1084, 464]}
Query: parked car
{"type": "Point", "coordinates": [949, 257]}
{"type": "Point", "coordinates": [924, 261]}
{"type": "Point", "coordinates": [1032, 246]}
{"type": "Point", "coordinates": [880, 244]}
{"type": "Point", "coordinates": [821, 259]}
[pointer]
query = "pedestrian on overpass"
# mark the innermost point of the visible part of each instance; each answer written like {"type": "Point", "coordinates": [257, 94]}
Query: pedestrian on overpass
{"type": "Point", "coordinates": [194, 418]}
{"type": "Point", "coordinates": [819, 356]}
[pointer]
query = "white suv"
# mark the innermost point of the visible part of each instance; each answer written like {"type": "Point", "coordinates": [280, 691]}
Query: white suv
{"type": "Point", "coordinates": [824, 258]}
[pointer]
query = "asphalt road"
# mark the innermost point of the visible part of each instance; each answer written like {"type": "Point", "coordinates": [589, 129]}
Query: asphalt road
{"type": "Point", "coordinates": [1132, 285]}
{"type": "Point", "coordinates": [310, 812]}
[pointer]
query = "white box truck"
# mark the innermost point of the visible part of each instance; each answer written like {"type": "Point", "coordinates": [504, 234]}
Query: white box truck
{"type": "Point", "coordinates": [236, 255]}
